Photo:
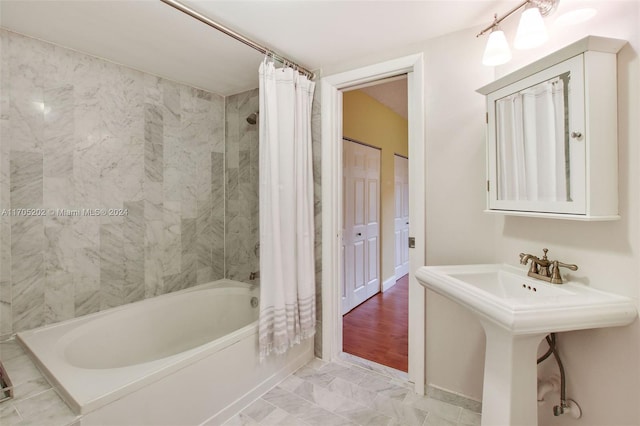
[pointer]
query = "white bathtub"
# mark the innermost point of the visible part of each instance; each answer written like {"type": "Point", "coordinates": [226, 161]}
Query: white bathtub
{"type": "Point", "coordinates": [184, 358]}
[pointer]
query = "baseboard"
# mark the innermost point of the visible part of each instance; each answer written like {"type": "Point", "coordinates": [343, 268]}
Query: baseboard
{"type": "Point", "coordinates": [388, 283]}
{"type": "Point", "coordinates": [454, 398]}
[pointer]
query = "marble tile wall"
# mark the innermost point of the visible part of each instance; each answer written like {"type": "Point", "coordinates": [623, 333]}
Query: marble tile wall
{"type": "Point", "coordinates": [242, 232]}
{"type": "Point", "coordinates": [316, 148]}
{"type": "Point", "coordinates": [78, 132]}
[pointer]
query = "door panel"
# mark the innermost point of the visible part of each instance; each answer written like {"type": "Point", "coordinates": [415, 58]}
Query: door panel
{"type": "Point", "coordinates": [373, 281]}
{"type": "Point", "coordinates": [358, 202]}
{"type": "Point", "coordinates": [359, 285]}
{"type": "Point", "coordinates": [361, 228]}
{"type": "Point", "coordinates": [401, 195]}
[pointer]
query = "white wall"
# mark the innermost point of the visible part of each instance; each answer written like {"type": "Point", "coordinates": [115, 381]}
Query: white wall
{"type": "Point", "coordinates": [458, 231]}
{"type": "Point", "coordinates": [603, 367]}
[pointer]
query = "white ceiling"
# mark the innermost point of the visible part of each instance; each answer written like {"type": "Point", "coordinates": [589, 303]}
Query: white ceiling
{"type": "Point", "coordinates": [150, 36]}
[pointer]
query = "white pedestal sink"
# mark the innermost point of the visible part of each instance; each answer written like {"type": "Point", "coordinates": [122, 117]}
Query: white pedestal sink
{"type": "Point", "coordinates": [516, 313]}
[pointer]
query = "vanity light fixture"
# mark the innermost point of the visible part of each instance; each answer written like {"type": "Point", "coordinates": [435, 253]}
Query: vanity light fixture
{"type": "Point", "coordinates": [497, 51]}
{"type": "Point", "coordinates": [531, 31]}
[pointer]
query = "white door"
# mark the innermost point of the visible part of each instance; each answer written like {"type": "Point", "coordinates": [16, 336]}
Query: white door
{"type": "Point", "coordinates": [401, 194]}
{"type": "Point", "coordinates": [361, 223]}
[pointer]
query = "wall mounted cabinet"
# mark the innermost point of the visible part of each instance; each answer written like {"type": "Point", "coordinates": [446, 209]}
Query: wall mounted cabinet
{"type": "Point", "coordinates": [552, 144]}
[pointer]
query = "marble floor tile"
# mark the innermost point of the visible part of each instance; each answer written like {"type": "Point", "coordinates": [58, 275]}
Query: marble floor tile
{"type": "Point", "coordinates": [259, 410]}
{"type": "Point", "coordinates": [241, 419]}
{"type": "Point", "coordinates": [21, 370]}
{"type": "Point", "coordinates": [435, 420]}
{"type": "Point", "coordinates": [342, 393]}
{"type": "Point", "coordinates": [323, 397]}
{"type": "Point", "coordinates": [46, 408]}
{"type": "Point", "coordinates": [287, 401]}
{"type": "Point", "coordinates": [469, 418]}
{"type": "Point", "coordinates": [30, 388]}
{"type": "Point", "coordinates": [384, 387]}
{"type": "Point", "coordinates": [397, 410]}
{"type": "Point", "coordinates": [316, 416]}
{"type": "Point", "coordinates": [314, 376]}
{"type": "Point", "coordinates": [353, 391]}
{"type": "Point", "coordinates": [291, 383]}
{"type": "Point", "coordinates": [9, 349]}
{"type": "Point", "coordinates": [365, 416]}
{"type": "Point", "coordinates": [353, 375]}
{"type": "Point", "coordinates": [8, 414]}
{"type": "Point", "coordinates": [430, 405]}
{"type": "Point", "coordinates": [281, 417]}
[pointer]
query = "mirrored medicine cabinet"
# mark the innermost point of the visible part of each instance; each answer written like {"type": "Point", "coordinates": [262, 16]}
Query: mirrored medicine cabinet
{"type": "Point", "coordinates": [552, 145]}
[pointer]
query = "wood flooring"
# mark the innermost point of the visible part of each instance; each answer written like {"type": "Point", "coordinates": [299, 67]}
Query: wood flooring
{"type": "Point", "coordinates": [378, 329]}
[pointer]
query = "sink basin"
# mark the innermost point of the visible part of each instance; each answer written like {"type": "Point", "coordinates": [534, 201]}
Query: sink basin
{"type": "Point", "coordinates": [505, 295]}
{"type": "Point", "coordinates": [517, 312]}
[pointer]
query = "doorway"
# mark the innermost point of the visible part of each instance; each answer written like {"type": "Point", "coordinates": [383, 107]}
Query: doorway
{"type": "Point", "coordinates": [331, 87]}
{"type": "Point", "coordinates": [375, 221]}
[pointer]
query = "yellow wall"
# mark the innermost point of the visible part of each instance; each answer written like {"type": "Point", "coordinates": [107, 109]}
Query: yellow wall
{"type": "Point", "coordinates": [367, 120]}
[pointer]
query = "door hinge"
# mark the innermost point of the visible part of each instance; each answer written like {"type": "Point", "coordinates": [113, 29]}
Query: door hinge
{"type": "Point", "coordinates": [412, 242]}
{"type": "Point", "coordinates": [486, 117]}
{"type": "Point", "coordinates": [488, 185]}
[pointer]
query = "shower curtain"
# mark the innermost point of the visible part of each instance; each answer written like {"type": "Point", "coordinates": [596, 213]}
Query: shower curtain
{"type": "Point", "coordinates": [531, 137]}
{"type": "Point", "coordinates": [287, 280]}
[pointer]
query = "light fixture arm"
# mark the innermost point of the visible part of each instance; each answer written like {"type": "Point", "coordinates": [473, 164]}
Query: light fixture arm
{"type": "Point", "coordinates": [546, 7]}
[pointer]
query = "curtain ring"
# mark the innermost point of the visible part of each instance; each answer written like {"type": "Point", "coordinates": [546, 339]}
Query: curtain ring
{"type": "Point", "coordinates": [269, 57]}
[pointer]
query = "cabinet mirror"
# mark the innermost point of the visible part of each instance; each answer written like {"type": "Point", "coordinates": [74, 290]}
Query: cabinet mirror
{"type": "Point", "coordinates": [552, 137]}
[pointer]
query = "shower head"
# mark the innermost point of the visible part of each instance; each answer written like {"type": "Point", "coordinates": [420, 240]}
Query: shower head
{"type": "Point", "coordinates": [252, 118]}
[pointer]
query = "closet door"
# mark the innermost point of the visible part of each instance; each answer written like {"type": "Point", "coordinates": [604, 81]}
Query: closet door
{"type": "Point", "coordinates": [361, 221]}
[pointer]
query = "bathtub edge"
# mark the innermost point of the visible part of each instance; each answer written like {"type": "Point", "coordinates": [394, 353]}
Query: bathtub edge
{"type": "Point", "coordinates": [49, 377]}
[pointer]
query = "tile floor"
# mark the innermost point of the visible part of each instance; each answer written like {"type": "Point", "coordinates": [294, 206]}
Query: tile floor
{"type": "Point", "coordinates": [342, 393]}
{"type": "Point", "coordinates": [350, 391]}
{"type": "Point", "coordinates": [35, 402]}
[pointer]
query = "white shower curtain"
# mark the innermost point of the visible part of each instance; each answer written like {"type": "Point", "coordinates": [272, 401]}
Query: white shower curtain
{"type": "Point", "coordinates": [531, 143]}
{"type": "Point", "coordinates": [287, 269]}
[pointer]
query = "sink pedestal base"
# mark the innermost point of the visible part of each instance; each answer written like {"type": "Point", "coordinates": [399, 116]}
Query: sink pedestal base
{"type": "Point", "coordinates": [509, 394]}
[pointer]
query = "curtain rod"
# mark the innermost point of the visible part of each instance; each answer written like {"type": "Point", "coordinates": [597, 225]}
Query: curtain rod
{"type": "Point", "coordinates": [545, 6]}
{"type": "Point", "coordinates": [200, 17]}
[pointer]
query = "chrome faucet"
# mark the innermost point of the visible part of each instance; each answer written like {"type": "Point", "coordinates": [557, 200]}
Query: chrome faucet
{"type": "Point", "coordinates": [545, 269]}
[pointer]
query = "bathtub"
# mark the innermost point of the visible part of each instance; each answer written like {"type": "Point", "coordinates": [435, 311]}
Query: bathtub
{"type": "Point", "coordinates": [184, 358]}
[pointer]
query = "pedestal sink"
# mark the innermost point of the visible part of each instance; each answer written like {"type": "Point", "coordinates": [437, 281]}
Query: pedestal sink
{"type": "Point", "coordinates": [516, 313]}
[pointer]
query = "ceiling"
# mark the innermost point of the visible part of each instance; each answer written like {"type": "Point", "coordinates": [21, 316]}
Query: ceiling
{"type": "Point", "coordinates": [391, 93]}
{"type": "Point", "coordinates": [150, 36]}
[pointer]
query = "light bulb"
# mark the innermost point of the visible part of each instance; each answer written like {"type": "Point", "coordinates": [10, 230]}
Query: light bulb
{"type": "Point", "coordinates": [531, 30]}
{"type": "Point", "coordinates": [497, 51]}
